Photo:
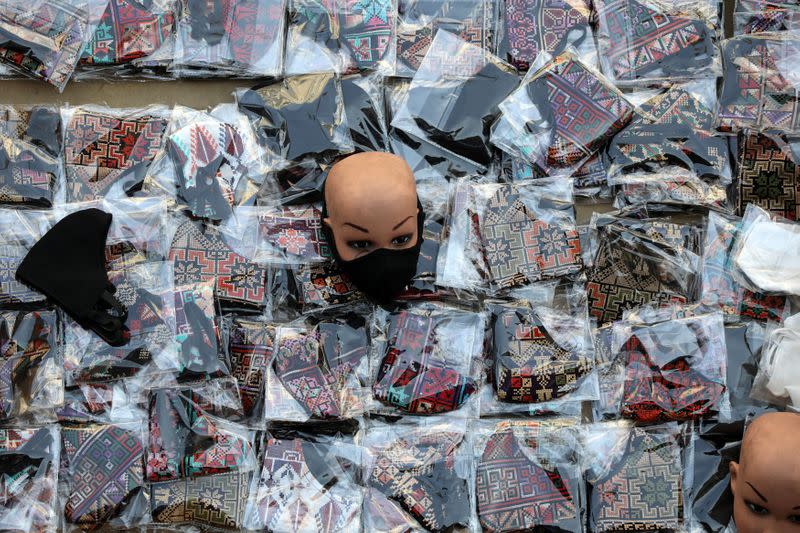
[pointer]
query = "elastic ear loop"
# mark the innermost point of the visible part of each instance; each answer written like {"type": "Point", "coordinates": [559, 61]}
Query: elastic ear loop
{"type": "Point", "coordinates": [112, 326]}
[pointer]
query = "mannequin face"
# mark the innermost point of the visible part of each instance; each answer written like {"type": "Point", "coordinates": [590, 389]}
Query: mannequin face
{"type": "Point", "coordinates": [372, 204]}
{"type": "Point", "coordinates": [766, 481]}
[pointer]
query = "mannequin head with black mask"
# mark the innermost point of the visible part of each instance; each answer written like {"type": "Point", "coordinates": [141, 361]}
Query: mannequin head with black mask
{"type": "Point", "coordinates": [373, 221]}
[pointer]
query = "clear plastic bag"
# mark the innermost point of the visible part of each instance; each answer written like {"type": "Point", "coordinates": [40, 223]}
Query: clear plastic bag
{"type": "Point", "coordinates": [423, 284]}
{"type": "Point", "coordinates": [638, 262]}
{"type": "Point", "coordinates": [31, 171]}
{"type": "Point", "coordinates": [761, 83]}
{"type": "Point", "coordinates": [759, 16]}
{"type": "Point", "coordinates": [30, 486]}
{"type": "Point", "coordinates": [541, 358]}
{"type": "Point", "coordinates": [103, 476]}
{"type": "Point", "coordinates": [129, 32]}
{"type": "Point", "coordinates": [201, 252]}
{"type": "Point", "coordinates": [503, 236]}
{"type": "Point", "coordinates": [306, 476]}
{"type": "Point", "coordinates": [319, 369]}
{"type": "Point", "coordinates": [530, 27]}
{"type": "Point", "coordinates": [426, 360]}
{"type": "Point", "coordinates": [540, 459]}
{"type": "Point", "coordinates": [590, 180]}
{"type": "Point", "coordinates": [474, 21]}
{"type": "Point", "coordinates": [418, 476]}
{"type": "Point", "coordinates": [108, 151]}
{"type": "Point", "coordinates": [299, 116]}
{"type": "Point", "coordinates": [454, 96]}
{"type": "Point", "coordinates": [653, 41]}
{"type": "Point", "coordinates": [44, 39]}
{"type": "Point", "coordinates": [675, 370]}
{"type": "Point", "coordinates": [241, 38]}
{"type": "Point", "coordinates": [777, 381]}
{"type": "Point", "coordinates": [146, 291]}
{"type": "Point", "coordinates": [364, 107]}
{"type": "Point", "coordinates": [340, 36]}
{"type": "Point", "coordinates": [251, 343]}
{"type": "Point", "coordinates": [719, 288]}
{"type": "Point", "coordinates": [191, 433]}
{"type": "Point", "coordinates": [765, 253]}
{"type": "Point", "coordinates": [769, 173]}
{"type": "Point", "coordinates": [636, 478]}
{"type": "Point", "coordinates": [197, 333]}
{"type": "Point", "coordinates": [539, 122]}
{"type": "Point", "coordinates": [31, 366]}
{"type": "Point", "coordinates": [210, 162]}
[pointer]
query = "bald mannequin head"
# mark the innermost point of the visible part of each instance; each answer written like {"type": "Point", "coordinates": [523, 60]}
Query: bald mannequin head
{"type": "Point", "coordinates": [766, 480]}
{"type": "Point", "coordinates": [371, 199]}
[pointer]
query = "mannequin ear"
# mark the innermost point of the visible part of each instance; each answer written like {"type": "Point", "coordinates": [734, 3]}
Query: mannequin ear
{"type": "Point", "coordinates": [327, 222]}
{"type": "Point", "coordinates": [733, 468]}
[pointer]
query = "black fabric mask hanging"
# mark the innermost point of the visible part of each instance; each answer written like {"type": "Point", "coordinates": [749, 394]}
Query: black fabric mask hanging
{"type": "Point", "coordinates": [381, 274]}
{"type": "Point", "coordinates": [68, 266]}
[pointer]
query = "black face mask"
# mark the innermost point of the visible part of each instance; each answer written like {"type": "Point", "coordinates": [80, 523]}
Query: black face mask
{"type": "Point", "coordinates": [68, 265]}
{"type": "Point", "coordinates": [381, 274]}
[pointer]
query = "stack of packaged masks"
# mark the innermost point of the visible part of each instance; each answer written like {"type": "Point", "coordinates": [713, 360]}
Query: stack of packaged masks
{"type": "Point", "coordinates": [605, 293]}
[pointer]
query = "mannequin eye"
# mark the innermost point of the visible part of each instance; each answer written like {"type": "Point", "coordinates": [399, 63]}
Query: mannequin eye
{"type": "Point", "coordinates": [403, 239]}
{"type": "Point", "coordinates": [359, 245]}
{"type": "Point", "coordinates": [795, 519]}
{"type": "Point", "coordinates": [757, 509]}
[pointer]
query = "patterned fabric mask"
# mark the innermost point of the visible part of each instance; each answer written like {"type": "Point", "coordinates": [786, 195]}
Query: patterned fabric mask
{"type": "Point", "coordinates": [645, 43]}
{"type": "Point", "coordinates": [519, 248]}
{"type": "Point", "coordinates": [293, 234]}
{"type": "Point", "coordinates": [769, 174]}
{"type": "Point", "coordinates": [756, 90]}
{"type": "Point", "coordinates": [104, 472]}
{"type": "Point", "coordinates": [535, 26]}
{"type": "Point", "coordinates": [414, 375]}
{"type": "Point", "coordinates": [298, 492]}
{"type": "Point", "coordinates": [127, 32]}
{"type": "Point", "coordinates": [43, 40]}
{"type": "Point", "coordinates": [28, 174]}
{"type": "Point", "coordinates": [28, 482]}
{"type": "Point", "coordinates": [516, 490]}
{"type": "Point", "coordinates": [626, 274]}
{"type": "Point", "coordinates": [324, 286]}
{"type": "Point", "coordinates": [250, 349]}
{"type": "Point", "coordinates": [317, 366]}
{"type": "Point", "coordinates": [419, 473]}
{"type": "Point", "coordinates": [213, 501]}
{"type": "Point", "coordinates": [197, 333]}
{"type": "Point", "coordinates": [186, 442]}
{"type": "Point", "coordinates": [665, 383]}
{"type": "Point", "coordinates": [644, 489]}
{"type": "Point", "coordinates": [28, 344]}
{"type": "Point", "coordinates": [207, 156]}
{"type": "Point", "coordinates": [104, 152]}
{"type": "Point", "coordinates": [200, 253]}
{"type": "Point", "coordinates": [579, 111]}
{"type": "Point", "coordinates": [529, 365]}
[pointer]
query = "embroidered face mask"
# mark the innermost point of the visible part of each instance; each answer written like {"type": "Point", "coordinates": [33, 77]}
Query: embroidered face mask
{"type": "Point", "coordinates": [105, 153]}
{"type": "Point", "coordinates": [28, 174]}
{"type": "Point", "coordinates": [324, 286]}
{"type": "Point", "coordinates": [199, 253]}
{"type": "Point", "coordinates": [104, 472]}
{"type": "Point", "coordinates": [250, 348]}
{"type": "Point", "coordinates": [185, 441]}
{"type": "Point", "coordinates": [299, 490]}
{"type": "Point", "coordinates": [642, 43]}
{"type": "Point", "coordinates": [28, 478]}
{"type": "Point", "coordinates": [662, 378]}
{"type": "Point", "coordinates": [415, 375]}
{"type": "Point", "coordinates": [80, 284]}
{"type": "Point", "coordinates": [529, 365]}
{"type": "Point", "coordinates": [419, 473]}
{"type": "Point", "coordinates": [293, 234]}
{"type": "Point", "coordinates": [197, 334]}
{"type": "Point", "coordinates": [28, 345]}
{"type": "Point", "coordinates": [128, 31]}
{"type": "Point", "coordinates": [316, 366]}
{"type": "Point", "coordinates": [643, 489]}
{"type": "Point", "coordinates": [769, 174]}
{"type": "Point", "coordinates": [519, 489]}
{"type": "Point", "coordinates": [215, 501]}
{"type": "Point", "coordinates": [43, 40]}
